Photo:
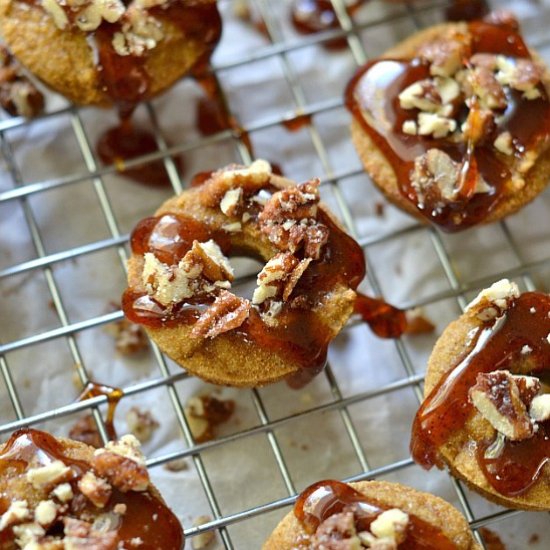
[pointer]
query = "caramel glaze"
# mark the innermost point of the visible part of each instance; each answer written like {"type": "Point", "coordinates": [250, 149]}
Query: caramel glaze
{"type": "Point", "coordinates": [114, 395]}
{"type": "Point", "coordinates": [313, 16]}
{"type": "Point", "coordinates": [300, 335]}
{"type": "Point", "coordinates": [467, 10]}
{"type": "Point", "coordinates": [32, 448]}
{"type": "Point", "coordinates": [494, 346]}
{"type": "Point", "coordinates": [527, 120]}
{"type": "Point", "coordinates": [326, 498]}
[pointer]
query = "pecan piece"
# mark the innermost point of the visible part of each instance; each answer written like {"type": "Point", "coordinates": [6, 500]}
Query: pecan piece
{"type": "Point", "coordinates": [226, 313]}
{"type": "Point", "coordinates": [81, 535]}
{"type": "Point", "coordinates": [97, 490]}
{"type": "Point", "coordinates": [337, 532]}
{"type": "Point", "coordinates": [485, 85]}
{"type": "Point", "coordinates": [289, 219]}
{"type": "Point", "coordinates": [123, 473]}
{"type": "Point", "coordinates": [497, 397]}
{"type": "Point", "coordinates": [445, 55]}
{"type": "Point", "coordinates": [18, 95]}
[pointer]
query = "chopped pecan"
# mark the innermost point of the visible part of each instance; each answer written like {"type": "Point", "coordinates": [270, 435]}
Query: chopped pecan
{"type": "Point", "coordinates": [337, 532]}
{"type": "Point", "coordinates": [497, 397]}
{"type": "Point", "coordinates": [493, 301]}
{"type": "Point", "coordinates": [485, 60]}
{"type": "Point", "coordinates": [203, 540]}
{"type": "Point", "coordinates": [479, 123]}
{"type": "Point", "coordinates": [81, 535]}
{"type": "Point", "coordinates": [130, 339]}
{"type": "Point", "coordinates": [18, 95]}
{"type": "Point", "coordinates": [484, 84]}
{"type": "Point", "coordinates": [289, 219]}
{"type": "Point", "coordinates": [540, 408]}
{"type": "Point", "coordinates": [294, 277]}
{"type": "Point", "coordinates": [205, 412]}
{"type": "Point", "coordinates": [528, 387]}
{"type": "Point", "coordinates": [435, 174]}
{"type": "Point", "coordinates": [123, 473]}
{"type": "Point", "coordinates": [97, 490]}
{"type": "Point", "coordinates": [445, 54]}
{"type": "Point", "coordinates": [521, 74]}
{"type": "Point", "coordinates": [216, 266]}
{"type": "Point", "coordinates": [422, 95]}
{"type": "Point", "coordinates": [226, 313]}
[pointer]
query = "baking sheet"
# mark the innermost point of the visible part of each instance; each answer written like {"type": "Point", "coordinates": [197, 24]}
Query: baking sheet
{"type": "Point", "coordinates": [315, 445]}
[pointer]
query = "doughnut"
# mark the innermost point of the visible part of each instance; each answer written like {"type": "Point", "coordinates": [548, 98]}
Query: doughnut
{"type": "Point", "coordinates": [179, 277]}
{"type": "Point", "coordinates": [370, 514]}
{"type": "Point", "coordinates": [486, 409]}
{"type": "Point", "coordinates": [58, 493]}
{"type": "Point", "coordinates": [453, 123]}
{"type": "Point", "coordinates": [105, 52]}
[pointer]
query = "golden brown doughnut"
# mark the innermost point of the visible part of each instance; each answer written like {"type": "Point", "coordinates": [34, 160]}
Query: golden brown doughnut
{"type": "Point", "coordinates": [453, 123]}
{"type": "Point", "coordinates": [58, 493]}
{"type": "Point", "coordinates": [486, 413]}
{"type": "Point", "coordinates": [179, 277]}
{"type": "Point", "coordinates": [100, 52]}
{"type": "Point", "coordinates": [370, 514]}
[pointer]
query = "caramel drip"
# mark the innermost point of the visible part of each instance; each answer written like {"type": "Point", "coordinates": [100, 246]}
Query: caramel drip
{"type": "Point", "coordinates": [300, 335]}
{"type": "Point", "coordinates": [494, 346]}
{"type": "Point", "coordinates": [385, 320]}
{"type": "Point", "coordinates": [146, 517]}
{"type": "Point", "coordinates": [326, 498]}
{"type": "Point", "coordinates": [528, 121]}
{"type": "Point", "coordinates": [114, 395]}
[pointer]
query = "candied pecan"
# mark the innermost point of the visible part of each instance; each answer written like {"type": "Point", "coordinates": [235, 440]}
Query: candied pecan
{"type": "Point", "coordinates": [479, 123]}
{"type": "Point", "coordinates": [485, 60]}
{"type": "Point", "coordinates": [337, 532]}
{"type": "Point", "coordinates": [445, 54]}
{"type": "Point", "coordinates": [294, 277]}
{"type": "Point", "coordinates": [18, 95]}
{"type": "Point", "coordinates": [226, 313]}
{"type": "Point", "coordinates": [97, 490]}
{"type": "Point", "coordinates": [80, 535]}
{"type": "Point", "coordinates": [487, 88]}
{"type": "Point", "coordinates": [526, 76]}
{"type": "Point", "coordinates": [497, 397]}
{"type": "Point", "coordinates": [289, 219]}
{"type": "Point", "coordinates": [123, 473]}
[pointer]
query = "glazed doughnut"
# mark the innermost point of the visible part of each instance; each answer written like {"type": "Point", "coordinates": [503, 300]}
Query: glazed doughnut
{"type": "Point", "coordinates": [453, 124]}
{"type": "Point", "coordinates": [179, 277]}
{"type": "Point", "coordinates": [100, 52]}
{"type": "Point", "coordinates": [486, 413]}
{"type": "Point", "coordinates": [57, 493]}
{"type": "Point", "coordinates": [370, 514]}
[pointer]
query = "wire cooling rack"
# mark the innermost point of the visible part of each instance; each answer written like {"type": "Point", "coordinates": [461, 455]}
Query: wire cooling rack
{"type": "Point", "coordinates": [456, 285]}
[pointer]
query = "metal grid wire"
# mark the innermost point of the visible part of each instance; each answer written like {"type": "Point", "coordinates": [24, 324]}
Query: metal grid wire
{"type": "Point", "coordinates": [22, 191]}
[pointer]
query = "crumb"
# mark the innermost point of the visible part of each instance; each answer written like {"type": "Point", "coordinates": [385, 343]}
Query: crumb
{"type": "Point", "coordinates": [534, 538]}
{"type": "Point", "coordinates": [85, 430]}
{"type": "Point", "coordinates": [130, 339]}
{"type": "Point", "coordinates": [141, 423]}
{"type": "Point", "coordinates": [204, 539]}
{"type": "Point", "coordinates": [205, 412]}
{"type": "Point", "coordinates": [491, 539]}
{"type": "Point", "coordinates": [178, 465]}
{"type": "Point", "coordinates": [304, 447]}
{"type": "Point", "coordinates": [379, 209]}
